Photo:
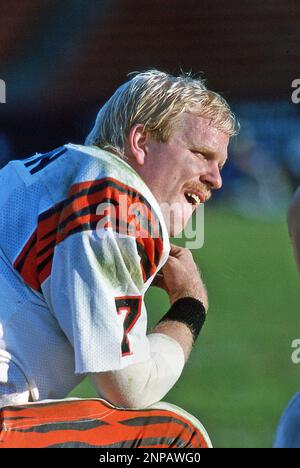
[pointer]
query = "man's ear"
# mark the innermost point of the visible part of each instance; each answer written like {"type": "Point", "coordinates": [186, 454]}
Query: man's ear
{"type": "Point", "coordinates": [137, 143]}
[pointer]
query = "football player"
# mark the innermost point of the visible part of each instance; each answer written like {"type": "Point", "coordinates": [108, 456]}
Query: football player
{"type": "Point", "coordinates": [288, 431]}
{"type": "Point", "coordinates": [84, 233]}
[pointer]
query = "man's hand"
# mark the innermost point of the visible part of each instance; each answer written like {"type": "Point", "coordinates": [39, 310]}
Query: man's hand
{"type": "Point", "coordinates": [180, 277]}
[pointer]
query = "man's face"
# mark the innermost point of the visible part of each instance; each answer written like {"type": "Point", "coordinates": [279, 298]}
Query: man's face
{"type": "Point", "coordinates": [182, 172]}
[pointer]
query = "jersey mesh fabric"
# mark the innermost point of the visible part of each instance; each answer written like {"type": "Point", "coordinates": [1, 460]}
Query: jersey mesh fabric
{"type": "Point", "coordinates": [62, 324]}
{"type": "Point", "coordinates": [89, 276]}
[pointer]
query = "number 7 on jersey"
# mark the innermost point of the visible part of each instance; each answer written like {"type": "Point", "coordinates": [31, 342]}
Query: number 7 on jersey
{"type": "Point", "coordinates": [131, 306]}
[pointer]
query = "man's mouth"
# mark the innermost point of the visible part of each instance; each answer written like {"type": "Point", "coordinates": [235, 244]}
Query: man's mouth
{"type": "Point", "coordinates": [194, 198]}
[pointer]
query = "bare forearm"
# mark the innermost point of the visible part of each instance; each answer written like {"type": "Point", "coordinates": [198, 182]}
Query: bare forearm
{"type": "Point", "coordinates": [183, 322]}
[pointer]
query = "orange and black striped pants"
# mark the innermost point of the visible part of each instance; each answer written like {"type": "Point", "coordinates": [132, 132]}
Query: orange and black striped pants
{"type": "Point", "coordinates": [95, 423]}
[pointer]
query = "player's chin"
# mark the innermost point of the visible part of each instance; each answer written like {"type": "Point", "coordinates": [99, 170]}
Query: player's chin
{"type": "Point", "coordinates": [175, 231]}
{"type": "Point", "coordinates": [179, 222]}
{"type": "Point", "coordinates": [177, 216]}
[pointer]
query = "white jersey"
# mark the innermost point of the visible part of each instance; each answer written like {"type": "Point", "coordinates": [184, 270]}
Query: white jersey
{"type": "Point", "coordinates": [81, 239]}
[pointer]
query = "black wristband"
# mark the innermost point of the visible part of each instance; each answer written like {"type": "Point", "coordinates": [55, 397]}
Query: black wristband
{"type": "Point", "coordinates": [189, 311]}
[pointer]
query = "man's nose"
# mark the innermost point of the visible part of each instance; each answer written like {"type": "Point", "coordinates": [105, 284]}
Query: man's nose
{"type": "Point", "coordinates": [212, 176]}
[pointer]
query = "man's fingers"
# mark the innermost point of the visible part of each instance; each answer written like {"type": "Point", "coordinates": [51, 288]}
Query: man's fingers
{"type": "Point", "coordinates": [159, 282]}
{"type": "Point", "coordinates": [157, 278]}
{"type": "Point", "coordinates": [176, 251]}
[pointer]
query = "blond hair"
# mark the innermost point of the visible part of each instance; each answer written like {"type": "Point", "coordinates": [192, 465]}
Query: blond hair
{"type": "Point", "coordinates": [156, 100]}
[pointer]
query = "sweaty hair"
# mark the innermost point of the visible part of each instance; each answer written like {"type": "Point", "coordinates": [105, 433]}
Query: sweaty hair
{"type": "Point", "coordinates": [157, 100]}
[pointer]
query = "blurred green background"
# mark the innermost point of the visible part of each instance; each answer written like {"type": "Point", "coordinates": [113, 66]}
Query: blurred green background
{"type": "Point", "coordinates": [240, 374]}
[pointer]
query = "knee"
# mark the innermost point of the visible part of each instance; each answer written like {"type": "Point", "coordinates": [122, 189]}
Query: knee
{"type": "Point", "coordinates": [293, 213]}
{"type": "Point", "coordinates": [293, 221]}
{"type": "Point", "coordinates": [187, 427]}
{"type": "Point", "coordinates": [288, 432]}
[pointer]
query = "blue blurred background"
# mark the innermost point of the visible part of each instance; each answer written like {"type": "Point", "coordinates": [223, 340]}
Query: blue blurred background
{"type": "Point", "coordinates": [62, 59]}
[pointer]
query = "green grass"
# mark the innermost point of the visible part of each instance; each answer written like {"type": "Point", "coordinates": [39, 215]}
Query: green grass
{"type": "Point", "coordinates": [240, 375]}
